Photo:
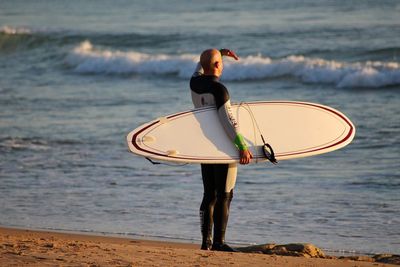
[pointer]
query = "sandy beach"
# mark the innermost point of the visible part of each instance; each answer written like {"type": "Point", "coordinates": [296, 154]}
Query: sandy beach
{"type": "Point", "coordinates": [19, 247]}
{"type": "Point", "coordinates": [78, 76]}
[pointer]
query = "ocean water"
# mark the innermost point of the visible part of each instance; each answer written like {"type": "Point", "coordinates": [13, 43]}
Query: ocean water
{"type": "Point", "coordinates": [77, 76]}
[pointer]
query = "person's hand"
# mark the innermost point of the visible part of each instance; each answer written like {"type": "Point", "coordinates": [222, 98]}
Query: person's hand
{"type": "Point", "coordinates": [228, 53]}
{"type": "Point", "coordinates": [245, 156]}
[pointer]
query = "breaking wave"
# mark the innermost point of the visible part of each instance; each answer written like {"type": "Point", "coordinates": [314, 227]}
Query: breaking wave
{"type": "Point", "coordinates": [105, 58]}
{"type": "Point", "coordinates": [87, 59]}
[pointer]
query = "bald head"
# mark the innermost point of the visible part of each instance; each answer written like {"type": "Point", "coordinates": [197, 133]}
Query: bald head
{"type": "Point", "coordinates": [211, 61]}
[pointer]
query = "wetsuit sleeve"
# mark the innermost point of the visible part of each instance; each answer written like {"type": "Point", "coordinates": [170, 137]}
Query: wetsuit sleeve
{"type": "Point", "coordinates": [226, 117]}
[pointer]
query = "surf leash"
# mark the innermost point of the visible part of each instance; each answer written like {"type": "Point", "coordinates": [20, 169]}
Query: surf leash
{"type": "Point", "coordinates": [162, 163]}
{"type": "Point", "coordinates": [267, 149]}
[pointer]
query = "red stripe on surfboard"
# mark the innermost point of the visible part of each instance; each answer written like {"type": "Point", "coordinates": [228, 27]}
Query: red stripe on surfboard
{"type": "Point", "coordinates": [159, 154]}
{"type": "Point", "coordinates": [249, 103]}
{"type": "Point", "coordinates": [321, 107]}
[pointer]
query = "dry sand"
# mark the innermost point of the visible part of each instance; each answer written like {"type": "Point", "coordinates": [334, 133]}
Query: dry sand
{"type": "Point", "coordinates": [42, 248]}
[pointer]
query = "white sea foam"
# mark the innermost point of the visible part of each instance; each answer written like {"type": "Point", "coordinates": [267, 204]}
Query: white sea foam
{"type": "Point", "coordinates": [21, 30]}
{"type": "Point", "coordinates": [15, 30]}
{"type": "Point", "coordinates": [85, 58]}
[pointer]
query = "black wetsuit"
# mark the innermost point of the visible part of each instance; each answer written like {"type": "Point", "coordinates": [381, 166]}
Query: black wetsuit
{"type": "Point", "coordinates": [218, 179]}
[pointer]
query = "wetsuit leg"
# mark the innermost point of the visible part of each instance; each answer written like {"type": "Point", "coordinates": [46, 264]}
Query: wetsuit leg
{"type": "Point", "coordinates": [207, 205]}
{"type": "Point", "coordinates": [218, 181]}
{"type": "Point", "coordinates": [223, 203]}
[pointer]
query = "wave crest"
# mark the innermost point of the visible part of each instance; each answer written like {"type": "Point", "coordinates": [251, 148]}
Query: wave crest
{"type": "Point", "coordinates": [87, 59]}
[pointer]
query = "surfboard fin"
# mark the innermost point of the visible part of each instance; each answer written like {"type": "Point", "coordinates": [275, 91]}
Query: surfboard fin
{"type": "Point", "coordinates": [163, 120]}
{"type": "Point", "coordinates": [172, 152]}
{"type": "Point", "coordinates": [148, 139]}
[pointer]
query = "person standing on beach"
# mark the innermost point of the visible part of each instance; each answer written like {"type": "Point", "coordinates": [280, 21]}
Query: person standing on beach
{"type": "Point", "coordinates": [218, 179]}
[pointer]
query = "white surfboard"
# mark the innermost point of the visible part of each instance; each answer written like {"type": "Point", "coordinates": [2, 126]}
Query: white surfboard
{"type": "Point", "coordinates": [293, 129]}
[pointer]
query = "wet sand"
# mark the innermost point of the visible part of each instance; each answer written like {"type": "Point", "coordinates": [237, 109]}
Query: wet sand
{"type": "Point", "coordinates": [19, 247]}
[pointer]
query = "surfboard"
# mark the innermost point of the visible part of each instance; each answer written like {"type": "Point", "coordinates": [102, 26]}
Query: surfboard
{"type": "Point", "coordinates": [293, 129]}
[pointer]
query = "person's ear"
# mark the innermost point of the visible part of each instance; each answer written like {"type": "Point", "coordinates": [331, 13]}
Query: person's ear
{"type": "Point", "coordinates": [216, 64]}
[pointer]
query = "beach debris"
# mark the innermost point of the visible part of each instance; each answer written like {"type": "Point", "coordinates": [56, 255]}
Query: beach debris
{"type": "Point", "coordinates": [357, 258]}
{"type": "Point", "coordinates": [306, 250]}
{"type": "Point", "coordinates": [48, 245]}
{"type": "Point", "coordinates": [257, 248]}
{"type": "Point", "coordinates": [387, 258]}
